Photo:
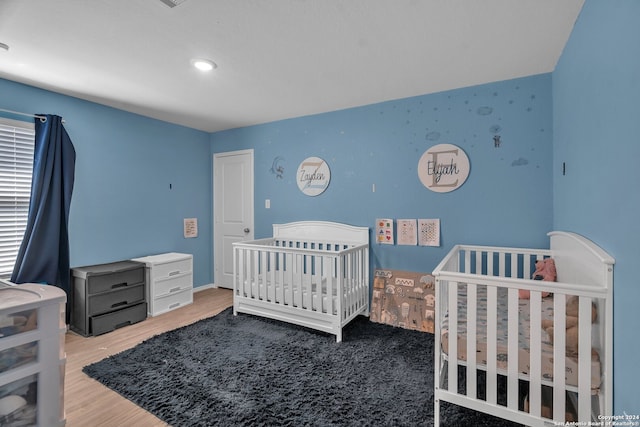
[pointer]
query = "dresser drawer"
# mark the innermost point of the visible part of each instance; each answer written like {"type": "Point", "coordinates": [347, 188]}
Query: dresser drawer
{"type": "Point", "coordinates": [172, 301]}
{"type": "Point", "coordinates": [174, 268]}
{"type": "Point", "coordinates": [172, 284]}
{"type": "Point", "coordinates": [119, 298]}
{"type": "Point", "coordinates": [117, 319]}
{"type": "Point", "coordinates": [106, 282]}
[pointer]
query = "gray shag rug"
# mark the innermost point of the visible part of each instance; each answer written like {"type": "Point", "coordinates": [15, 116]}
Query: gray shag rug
{"type": "Point", "coordinates": [248, 371]}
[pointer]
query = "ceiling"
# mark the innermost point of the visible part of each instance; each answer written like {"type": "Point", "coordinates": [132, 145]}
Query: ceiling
{"type": "Point", "coordinates": [276, 59]}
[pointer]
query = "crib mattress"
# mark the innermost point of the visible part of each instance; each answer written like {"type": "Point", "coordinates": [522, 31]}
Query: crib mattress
{"type": "Point", "coordinates": [298, 297]}
{"type": "Point", "coordinates": [571, 364]}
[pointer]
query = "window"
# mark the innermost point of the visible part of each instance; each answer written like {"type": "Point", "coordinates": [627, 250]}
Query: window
{"type": "Point", "coordinates": [16, 168]}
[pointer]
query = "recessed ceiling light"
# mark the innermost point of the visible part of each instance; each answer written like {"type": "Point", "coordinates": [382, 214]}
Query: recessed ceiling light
{"type": "Point", "coordinates": [4, 46]}
{"type": "Point", "coordinates": [172, 3]}
{"type": "Point", "coordinates": [204, 64]}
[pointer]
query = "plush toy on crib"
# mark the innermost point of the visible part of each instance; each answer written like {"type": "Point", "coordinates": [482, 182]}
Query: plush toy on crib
{"type": "Point", "coordinates": [571, 324]}
{"type": "Point", "coordinates": [545, 270]}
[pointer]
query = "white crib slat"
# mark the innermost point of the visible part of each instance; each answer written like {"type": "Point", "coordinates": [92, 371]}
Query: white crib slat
{"type": "Point", "coordinates": [344, 274]}
{"type": "Point", "coordinates": [453, 337]}
{"type": "Point", "coordinates": [306, 292]}
{"type": "Point", "coordinates": [262, 275]}
{"type": "Point", "coordinates": [559, 359]}
{"type": "Point", "coordinates": [364, 278]}
{"type": "Point", "coordinates": [293, 273]}
{"type": "Point", "coordinates": [264, 269]}
{"type": "Point", "coordinates": [512, 344]}
{"type": "Point", "coordinates": [285, 268]}
{"type": "Point", "coordinates": [256, 274]}
{"type": "Point", "coordinates": [247, 282]}
{"type": "Point", "coordinates": [239, 277]}
{"type": "Point", "coordinates": [326, 278]}
{"type": "Point", "coordinates": [339, 287]}
{"type": "Point", "coordinates": [316, 294]}
{"type": "Point", "coordinates": [244, 280]}
{"type": "Point", "coordinates": [353, 282]}
{"type": "Point", "coordinates": [251, 277]}
{"type": "Point", "coordinates": [349, 290]}
{"type": "Point", "coordinates": [467, 262]}
{"type": "Point", "coordinates": [255, 292]}
{"type": "Point", "coordinates": [492, 326]}
{"type": "Point", "coordinates": [271, 266]}
{"type": "Point", "coordinates": [239, 265]}
{"type": "Point", "coordinates": [535, 353]}
{"type": "Point", "coordinates": [514, 266]}
{"type": "Point", "coordinates": [301, 282]}
{"type": "Point", "coordinates": [472, 317]}
{"type": "Point", "coordinates": [280, 277]}
{"type": "Point", "coordinates": [526, 267]}
{"type": "Point", "coordinates": [584, 361]}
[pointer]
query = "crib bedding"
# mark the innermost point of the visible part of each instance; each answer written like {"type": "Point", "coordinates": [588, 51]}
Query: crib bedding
{"type": "Point", "coordinates": [571, 367]}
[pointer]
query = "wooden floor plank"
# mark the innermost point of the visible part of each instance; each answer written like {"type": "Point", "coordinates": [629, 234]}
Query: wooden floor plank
{"type": "Point", "coordinates": [89, 403]}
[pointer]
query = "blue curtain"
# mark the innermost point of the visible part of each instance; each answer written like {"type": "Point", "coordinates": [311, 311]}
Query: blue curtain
{"type": "Point", "coordinates": [44, 252]}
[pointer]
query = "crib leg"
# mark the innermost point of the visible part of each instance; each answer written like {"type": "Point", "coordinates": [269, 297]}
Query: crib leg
{"type": "Point", "coordinates": [436, 402]}
{"type": "Point", "coordinates": [339, 335]}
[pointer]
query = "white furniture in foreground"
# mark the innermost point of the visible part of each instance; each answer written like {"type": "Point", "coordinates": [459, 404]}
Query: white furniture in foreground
{"type": "Point", "coordinates": [499, 340]}
{"type": "Point", "coordinates": [310, 273]}
{"type": "Point", "coordinates": [32, 357]}
{"type": "Point", "coordinates": [169, 281]}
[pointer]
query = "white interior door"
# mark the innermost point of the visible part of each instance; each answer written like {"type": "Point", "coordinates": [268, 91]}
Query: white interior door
{"type": "Point", "coordinates": [232, 209]}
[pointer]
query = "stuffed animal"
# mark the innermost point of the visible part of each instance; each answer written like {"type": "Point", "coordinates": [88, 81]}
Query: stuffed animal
{"type": "Point", "coordinates": [545, 270]}
{"type": "Point", "coordinates": [571, 324]}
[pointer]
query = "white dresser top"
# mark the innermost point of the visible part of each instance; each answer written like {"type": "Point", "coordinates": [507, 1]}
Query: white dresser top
{"type": "Point", "coordinates": [162, 258]}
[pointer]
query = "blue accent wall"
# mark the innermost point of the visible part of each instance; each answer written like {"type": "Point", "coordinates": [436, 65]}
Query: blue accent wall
{"type": "Point", "coordinates": [506, 200]}
{"type": "Point", "coordinates": [122, 206]}
{"type": "Point", "coordinates": [596, 88]}
{"type": "Point", "coordinates": [584, 114]}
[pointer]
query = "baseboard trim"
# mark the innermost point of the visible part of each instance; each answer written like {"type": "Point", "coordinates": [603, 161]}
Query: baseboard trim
{"type": "Point", "coordinates": [203, 287]}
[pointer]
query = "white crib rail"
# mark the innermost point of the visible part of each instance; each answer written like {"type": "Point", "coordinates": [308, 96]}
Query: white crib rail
{"type": "Point", "coordinates": [317, 284]}
{"type": "Point", "coordinates": [510, 268]}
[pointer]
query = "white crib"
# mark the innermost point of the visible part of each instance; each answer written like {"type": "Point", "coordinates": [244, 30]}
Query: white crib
{"type": "Point", "coordinates": [310, 273]}
{"type": "Point", "coordinates": [506, 364]}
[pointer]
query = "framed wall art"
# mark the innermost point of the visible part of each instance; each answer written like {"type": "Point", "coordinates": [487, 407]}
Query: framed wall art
{"type": "Point", "coordinates": [313, 176]}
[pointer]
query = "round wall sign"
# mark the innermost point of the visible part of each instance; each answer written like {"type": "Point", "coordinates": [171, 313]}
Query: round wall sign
{"type": "Point", "coordinates": [443, 168]}
{"type": "Point", "coordinates": [313, 176]}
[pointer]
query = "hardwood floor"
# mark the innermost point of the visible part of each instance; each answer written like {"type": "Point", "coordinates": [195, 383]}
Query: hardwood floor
{"type": "Point", "coordinates": [89, 403]}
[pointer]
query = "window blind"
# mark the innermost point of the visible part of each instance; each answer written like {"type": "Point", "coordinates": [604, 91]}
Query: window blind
{"type": "Point", "coordinates": [16, 168]}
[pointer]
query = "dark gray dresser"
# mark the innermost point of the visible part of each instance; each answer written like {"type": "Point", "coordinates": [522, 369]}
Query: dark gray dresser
{"type": "Point", "coordinates": [107, 297]}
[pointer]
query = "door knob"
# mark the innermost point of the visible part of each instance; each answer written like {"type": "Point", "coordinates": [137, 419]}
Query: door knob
{"type": "Point", "coordinates": [246, 230]}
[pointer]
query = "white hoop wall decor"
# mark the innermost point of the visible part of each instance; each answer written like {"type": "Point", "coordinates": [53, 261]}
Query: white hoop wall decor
{"type": "Point", "coordinates": [443, 168]}
{"type": "Point", "coordinates": [313, 176]}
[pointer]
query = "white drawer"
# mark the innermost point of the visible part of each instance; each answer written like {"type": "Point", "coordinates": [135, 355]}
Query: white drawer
{"type": "Point", "coordinates": [171, 302]}
{"type": "Point", "coordinates": [173, 284]}
{"type": "Point", "coordinates": [173, 268]}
